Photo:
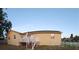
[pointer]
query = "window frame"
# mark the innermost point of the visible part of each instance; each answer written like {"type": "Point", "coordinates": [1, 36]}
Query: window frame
{"type": "Point", "coordinates": [52, 36]}
{"type": "Point", "coordinates": [14, 36]}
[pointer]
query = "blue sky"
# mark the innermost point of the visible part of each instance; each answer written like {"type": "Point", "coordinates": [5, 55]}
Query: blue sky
{"type": "Point", "coordinates": [62, 19]}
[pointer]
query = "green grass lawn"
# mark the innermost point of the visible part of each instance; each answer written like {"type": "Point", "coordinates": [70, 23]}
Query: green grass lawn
{"type": "Point", "coordinates": [63, 47]}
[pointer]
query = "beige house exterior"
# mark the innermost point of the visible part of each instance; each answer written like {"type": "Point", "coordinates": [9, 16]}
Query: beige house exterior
{"type": "Point", "coordinates": [45, 37]}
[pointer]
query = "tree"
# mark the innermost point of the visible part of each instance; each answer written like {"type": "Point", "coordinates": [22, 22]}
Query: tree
{"type": "Point", "coordinates": [76, 38]}
{"type": "Point", "coordinates": [5, 25]}
{"type": "Point", "coordinates": [71, 36]}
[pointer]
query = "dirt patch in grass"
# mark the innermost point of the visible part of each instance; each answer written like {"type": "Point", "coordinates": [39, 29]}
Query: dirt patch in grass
{"type": "Point", "coordinates": [11, 47]}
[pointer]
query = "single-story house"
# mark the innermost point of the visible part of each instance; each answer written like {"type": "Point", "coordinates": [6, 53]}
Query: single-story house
{"type": "Point", "coordinates": [45, 37]}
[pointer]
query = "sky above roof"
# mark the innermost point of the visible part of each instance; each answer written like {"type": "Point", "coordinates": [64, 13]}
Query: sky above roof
{"type": "Point", "coordinates": [30, 19]}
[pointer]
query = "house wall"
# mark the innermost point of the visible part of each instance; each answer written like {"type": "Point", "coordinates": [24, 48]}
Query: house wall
{"type": "Point", "coordinates": [46, 38]}
{"type": "Point", "coordinates": [11, 39]}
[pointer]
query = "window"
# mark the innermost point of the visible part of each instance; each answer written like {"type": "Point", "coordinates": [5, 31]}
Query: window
{"type": "Point", "coordinates": [52, 36]}
{"type": "Point", "coordinates": [14, 36]}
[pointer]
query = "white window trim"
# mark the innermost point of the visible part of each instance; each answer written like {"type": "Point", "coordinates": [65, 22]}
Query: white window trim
{"type": "Point", "coordinates": [52, 36]}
